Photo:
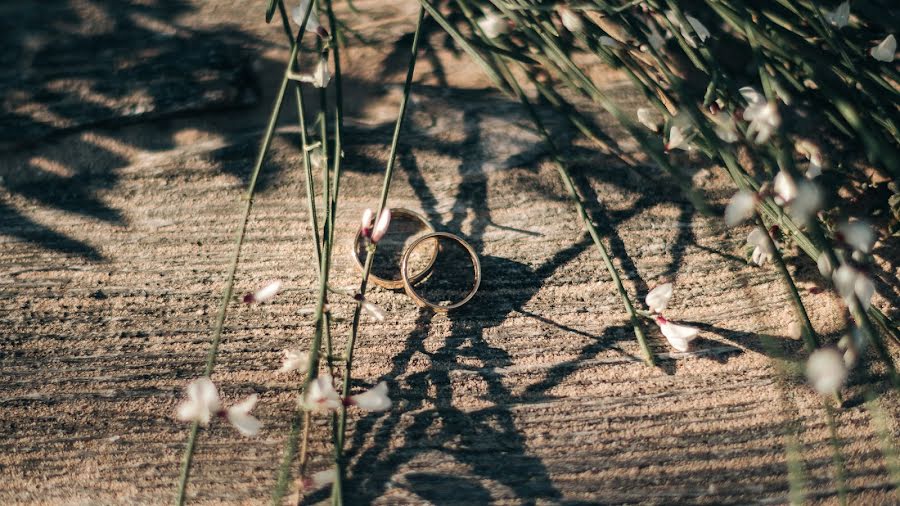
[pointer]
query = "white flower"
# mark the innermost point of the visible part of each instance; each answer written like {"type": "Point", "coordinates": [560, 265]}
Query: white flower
{"type": "Point", "coordinates": [814, 155]}
{"type": "Point", "coordinates": [764, 121]}
{"type": "Point", "coordinates": [658, 298]}
{"type": "Point", "coordinates": [698, 27]}
{"type": "Point", "coordinates": [374, 310]}
{"type": "Point", "coordinates": [858, 235]}
{"type": "Point", "coordinates": [702, 32]}
{"type": "Point", "coordinates": [571, 21]}
{"type": "Point", "coordinates": [676, 138]}
{"type": "Point", "coordinates": [679, 336]}
{"type": "Point", "coordinates": [762, 247]}
{"type": "Point", "coordinates": [312, 23]}
{"type": "Point", "coordinates": [493, 25]}
{"type": "Point", "coordinates": [752, 96]}
{"type": "Point", "coordinates": [849, 282]}
{"type": "Point", "coordinates": [885, 50]}
{"type": "Point", "coordinates": [381, 226]}
{"type": "Point", "coordinates": [807, 203]}
{"type": "Point", "coordinates": [367, 217]}
{"type": "Point", "coordinates": [202, 403]}
{"type": "Point", "coordinates": [240, 417]}
{"type": "Point", "coordinates": [263, 294]}
{"type": "Point", "coordinates": [839, 17]}
{"type": "Point", "coordinates": [606, 40]}
{"type": "Point", "coordinates": [740, 207]}
{"type": "Point", "coordinates": [645, 116]}
{"type": "Point", "coordinates": [826, 370]}
{"type": "Point", "coordinates": [294, 360]}
{"type": "Point", "coordinates": [319, 479]}
{"type": "Point", "coordinates": [785, 188]}
{"type": "Point", "coordinates": [321, 395]}
{"type": "Point", "coordinates": [725, 129]}
{"type": "Point", "coordinates": [854, 345]}
{"type": "Point", "coordinates": [374, 399]}
{"type": "Point", "coordinates": [320, 76]}
{"type": "Point", "coordinates": [824, 264]}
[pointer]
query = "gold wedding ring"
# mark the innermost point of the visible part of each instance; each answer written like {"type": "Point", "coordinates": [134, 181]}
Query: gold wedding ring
{"type": "Point", "coordinates": [360, 244]}
{"type": "Point", "coordinates": [409, 281]}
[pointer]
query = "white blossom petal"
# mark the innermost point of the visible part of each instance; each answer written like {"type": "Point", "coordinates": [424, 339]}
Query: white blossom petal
{"type": "Point", "coordinates": [826, 370]}
{"type": "Point", "coordinates": [319, 479]}
{"type": "Point", "coordinates": [571, 20]}
{"type": "Point", "coordinates": [321, 395]}
{"type": "Point", "coordinates": [658, 298]}
{"type": "Point", "coordinates": [645, 116]}
{"type": "Point", "coordinates": [676, 138]}
{"type": "Point", "coordinates": [374, 399]}
{"type": "Point", "coordinates": [321, 76]}
{"type": "Point", "coordinates": [824, 264]}
{"type": "Point", "coordinates": [374, 310]}
{"type": "Point", "coordinates": [698, 27]}
{"type": "Point", "coordinates": [493, 25]}
{"type": "Point", "coordinates": [752, 96]}
{"type": "Point", "coordinates": [263, 294]}
{"type": "Point", "coordinates": [312, 23]}
{"type": "Point", "coordinates": [839, 17]}
{"type": "Point", "coordinates": [845, 280]}
{"type": "Point", "coordinates": [679, 336]}
{"type": "Point", "coordinates": [807, 203]}
{"type": "Point", "coordinates": [885, 50]}
{"type": "Point", "coordinates": [858, 235]}
{"type": "Point", "coordinates": [202, 402]}
{"type": "Point", "coordinates": [294, 360]}
{"type": "Point", "coordinates": [740, 207]}
{"type": "Point", "coordinates": [785, 188]}
{"type": "Point", "coordinates": [864, 289]}
{"type": "Point", "coordinates": [240, 417]}
{"type": "Point", "coordinates": [725, 128]}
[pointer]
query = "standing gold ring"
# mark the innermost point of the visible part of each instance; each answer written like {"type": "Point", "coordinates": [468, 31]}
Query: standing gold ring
{"type": "Point", "coordinates": [395, 284]}
{"type": "Point", "coordinates": [409, 281]}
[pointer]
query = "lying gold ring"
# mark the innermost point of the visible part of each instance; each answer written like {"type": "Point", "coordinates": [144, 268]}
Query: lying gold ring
{"type": "Point", "coordinates": [408, 282]}
{"type": "Point", "coordinates": [394, 284]}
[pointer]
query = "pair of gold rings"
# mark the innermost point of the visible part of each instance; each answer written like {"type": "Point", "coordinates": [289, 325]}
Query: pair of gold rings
{"type": "Point", "coordinates": [415, 272]}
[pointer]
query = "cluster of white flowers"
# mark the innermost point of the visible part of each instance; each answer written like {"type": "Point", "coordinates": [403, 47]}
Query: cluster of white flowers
{"type": "Point", "coordinates": [203, 403]}
{"type": "Point", "coordinates": [679, 336]}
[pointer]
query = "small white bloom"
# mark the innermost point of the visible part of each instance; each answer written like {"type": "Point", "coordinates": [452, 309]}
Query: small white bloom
{"type": "Point", "coordinates": [658, 298]}
{"type": "Point", "coordinates": [374, 310]}
{"type": "Point", "coordinates": [848, 281]}
{"type": "Point", "coordinates": [858, 235]}
{"type": "Point", "coordinates": [367, 217]}
{"type": "Point", "coordinates": [493, 25]}
{"type": "Point", "coordinates": [807, 203]}
{"type": "Point", "coordinates": [824, 264]}
{"type": "Point", "coordinates": [885, 50]}
{"type": "Point", "coordinates": [606, 40]}
{"type": "Point", "coordinates": [679, 336]}
{"type": "Point", "coordinates": [645, 116]}
{"type": "Point", "coordinates": [319, 479]}
{"type": "Point", "coordinates": [374, 399]}
{"type": "Point", "coordinates": [571, 20]}
{"type": "Point", "coordinates": [762, 248]}
{"type": "Point", "coordinates": [826, 370]}
{"type": "Point", "coordinates": [294, 360]}
{"type": "Point", "coordinates": [702, 32]}
{"type": "Point", "coordinates": [320, 76]}
{"type": "Point", "coordinates": [740, 207]}
{"type": "Point", "coordinates": [321, 395]}
{"type": "Point", "coordinates": [725, 128]}
{"type": "Point", "coordinates": [839, 17]}
{"type": "Point", "coordinates": [752, 96]}
{"type": "Point", "coordinates": [240, 417]}
{"type": "Point", "coordinates": [795, 330]}
{"type": "Point", "coordinates": [263, 294]}
{"type": "Point", "coordinates": [312, 23]}
{"type": "Point", "coordinates": [785, 188]}
{"type": "Point", "coordinates": [202, 402]}
{"type": "Point", "coordinates": [676, 138]}
{"type": "Point", "coordinates": [814, 155]}
{"type": "Point", "coordinates": [853, 345]}
{"type": "Point", "coordinates": [381, 227]}
{"type": "Point", "coordinates": [764, 121]}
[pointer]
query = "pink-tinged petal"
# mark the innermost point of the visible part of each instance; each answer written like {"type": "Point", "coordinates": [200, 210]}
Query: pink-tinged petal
{"type": "Point", "coordinates": [826, 370]}
{"type": "Point", "coordinates": [263, 294]}
{"type": "Point", "coordinates": [646, 118]}
{"type": "Point", "coordinates": [679, 336]}
{"type": "Point", "coordinates": [367, 217]}
{"type": "Point", "coordinates": [658, 298]}
{"type": "Point", "coordinates": [321, 395]}
{"type": "Point", "coordinates": [676, 138]}
{"type": "Point", "coordinates": [374, 399]}
{"type": "Point", "coordinates": [740, 207]}
{"type": "Point", "coordinates": [785, 188]}
{"type": "Point", "coordinates": [240, 417]}
{"type": "Point", "coordinates": [381, 227]}
{"type": "Point", "coordinates": [319, 480]}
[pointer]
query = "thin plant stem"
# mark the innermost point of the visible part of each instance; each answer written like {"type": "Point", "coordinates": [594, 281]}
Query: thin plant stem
{"type": "Point", "coordinates": [341, 417]}
{"type": "Point", "coordinates": [235, 259]}
{"type": "Point", "coordinates": [836, 457]}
